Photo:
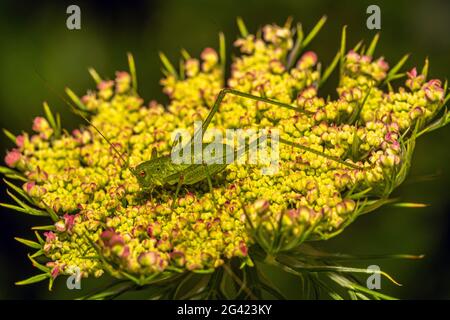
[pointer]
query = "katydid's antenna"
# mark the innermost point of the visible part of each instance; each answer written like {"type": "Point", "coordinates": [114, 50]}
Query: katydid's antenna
{"type": "Point", "coordinates": [81, 106]}
{"type": "Point", "coordinates": [103, 136]}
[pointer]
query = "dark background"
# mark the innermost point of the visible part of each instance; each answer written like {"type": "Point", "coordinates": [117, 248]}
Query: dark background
{"type": "Point", "coordinates": [34, 39]}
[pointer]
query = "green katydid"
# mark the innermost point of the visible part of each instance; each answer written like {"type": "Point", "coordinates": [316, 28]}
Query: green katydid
{"type": "Point", "coordinates": [162, 171]}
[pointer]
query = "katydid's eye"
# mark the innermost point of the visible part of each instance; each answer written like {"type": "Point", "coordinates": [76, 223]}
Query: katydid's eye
{"type": "Point", "coordinates": [142, 174]}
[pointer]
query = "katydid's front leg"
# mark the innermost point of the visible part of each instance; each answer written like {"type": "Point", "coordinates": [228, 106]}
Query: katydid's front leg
{"type": "Point", "coordinates": [226, 91]}
{"type": "Point", "coordinates": [175, 196]}
{"type": "Point", "coordinates": [208, 177]}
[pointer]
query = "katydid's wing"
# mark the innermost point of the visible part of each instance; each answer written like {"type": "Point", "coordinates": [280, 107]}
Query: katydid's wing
{"type": "Point", "coordinates": [199, 172]}
{"type": "Point", "coordinates": [212, 161]}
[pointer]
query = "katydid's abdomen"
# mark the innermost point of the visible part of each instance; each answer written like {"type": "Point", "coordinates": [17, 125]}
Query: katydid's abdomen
{"type": "Point", "coordinates": [196, 173]}
{"type": "Point", "coordinates": [163, 171]}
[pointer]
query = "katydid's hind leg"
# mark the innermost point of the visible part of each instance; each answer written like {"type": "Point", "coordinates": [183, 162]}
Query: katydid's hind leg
{"type": "Point", "coordinates": [321, 154]}
{"type": "Point", "coordinates": [177, 191]}
{"type": "Point", "coordinates": [266, 100]}
{"type": "Point", "coordinates": [293, 144]}
{"type": "Point", "coordinates": [226, 91]}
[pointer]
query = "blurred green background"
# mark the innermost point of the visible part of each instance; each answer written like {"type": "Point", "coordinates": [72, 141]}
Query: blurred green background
{"type": "Point", "coordinates": [35, 41]}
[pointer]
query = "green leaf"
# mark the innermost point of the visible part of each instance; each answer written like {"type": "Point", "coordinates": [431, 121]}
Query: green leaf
{"type": "Point", "coordinates": [30, 210]}
{"type": "Point", "coordinates": [133, 73]}
{"type": "Point", "coordinates": [373, 45]}
{"type": "Point", "coordinates": [29, 243]}
{"type": "Point", "coordinates": [242, 27]}
{"type": "Point", "coordinates": [50, 117]}
{"type": "Point", "coordinates": [357, 111]}
{"type": "Point", "coordinates": [37, 253]}
{"type": "Point", "coordinates": [409, 205]}
{"type": "Point", "coordinates": [185, 54]}
{"type": "Point", "coordinates": [16, 177]}
{"type": "Point", "coordinates": [34, 279]}
{"type": "Point", "coordinates": [167, 65]}
{"type": "Point", "coordinates": [293, 55]}
{"type": "Point", "coordinates": [38, 236]}
{"type": "Point", "coordinates": [51, 213]}
{"type": "Point", "coordinates": [58, 124]}
{"type": "Point", "coordinates": [342, 53]}
{"type": "Point", "coordinates": [393, 72]}
{"type": "Point", "coordinates": [329, 70]}
{"type": "Point", "coordinates": [20, 209]}
{"type": "Point", "coordinates": [10, 135]}
{"type": "Point", "coordinates": [425, 68]}
{"type": "Point", "coordinates": [130, 277]}
{"type": "Point", "coordinates": [50, 283]}
{"type": "Point", "coordinates": [9, 171]}
{"type": "Point", "coordinates": [314, 31]}
{"type": "Point", "coordinates": [94, 74]}
{"type": "Point", "coordinates": [205, 271]}
{"type": "Point", "coordinates": [222, 52]}
{"type": "Point", "coordinates": [358, 46]}
{"type": "Point", "coordinates": [325, 268]}
{"type": "Point", "coordinates": [38, 265]}
{"type": "Point", "coordinates": [76, 100]}
{"type": "Point", "coordinates": [20, 191]}
{"type": "Point", "coordinates": [344, 282]}
{"type": "Point", "coordinates": [182, 70]}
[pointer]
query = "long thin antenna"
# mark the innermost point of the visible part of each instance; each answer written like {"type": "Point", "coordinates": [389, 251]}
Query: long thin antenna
{"type": "Point", "coordinates": [76, 111]}
{"type": "Point", "coordinates": [103, 136]}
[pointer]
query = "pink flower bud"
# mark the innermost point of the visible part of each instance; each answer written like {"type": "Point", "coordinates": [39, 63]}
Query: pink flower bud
{"type": "Point", "coordinates": [276, 66]}
{"type": "Point", "coordinates": [20, 141]}
{"type": "Point", "coordinates": [209, 54]}
{"type": "Point", "coordinates": [243, 248]}
{"type": "Point", "coordinates": [383, 64]}
{"type": "Point", "coordinates": [415, 113]}
{"type": "Point", "coordinates": [352, 56]}
{"type": "Point", "coordinates": [148, 259]}
{"type": "Point", "coordinates": [55, 271]}
{"type": "Point", "coordinates": [412, 74]}
{"type": "Point", "coordinates": [40, 124]}
{"type": "Point", "coordinates": [154, 229]}
{"type": "Point", "coordinates": [261, 206]}
{"type": "Point", "coordinates": [433, 90]}
{"type": "Point", "coordinates": [308, 60]}
{"type": "Point", "coordinates": [12, 158]}
{"type": "Point", "coordinates": [111, 238]}
{"type": "Point", "coordinates": [60, 226]}
{"type": "Point", "coordinates": [178, 258]}
{"type": "Point", "coordinates": [366, 59]}
{"type": "Point", "coordinates": [69, 221]}
{"type": "Point", "coordinates": [192, 67]}
{"type": "Point", "coordinates": [49, 236]}
{"type": "Point", "coordinates": [123, 80]}
{"type": "Point", "coordinates": [105, 85]}
{"type": "Point", "coordinates": [308, 93]}
{"type": "Point", "coordinates": [28, 186]}
{"type": "Point", "coordinates": [125, 252]}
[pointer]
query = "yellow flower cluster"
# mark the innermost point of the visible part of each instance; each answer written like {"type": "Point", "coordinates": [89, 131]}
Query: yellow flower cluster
{"type": "Point", "coordinates": [105, 222]}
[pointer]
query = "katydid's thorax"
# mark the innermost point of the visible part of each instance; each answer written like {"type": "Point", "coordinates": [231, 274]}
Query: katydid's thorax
{"type": "Point", "coordinates": [155, 172]}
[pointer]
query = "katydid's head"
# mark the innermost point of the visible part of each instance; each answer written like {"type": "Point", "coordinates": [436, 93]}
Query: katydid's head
{"type": "Point", "coordinates": [151, 173]}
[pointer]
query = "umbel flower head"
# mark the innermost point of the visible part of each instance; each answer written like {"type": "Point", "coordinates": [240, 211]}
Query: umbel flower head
{"type": "Point", "coordinates": [102, 220]}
